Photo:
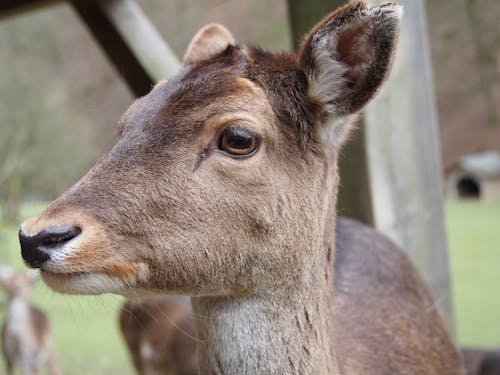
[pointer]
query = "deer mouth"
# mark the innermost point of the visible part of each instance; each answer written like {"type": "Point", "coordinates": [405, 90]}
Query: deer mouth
{"type": "Point", "coordinates": [61, 275]}
{"type": "Point", "coordinates": [111, 278]}
{"type": "Point", "coordinates": [82, 282]}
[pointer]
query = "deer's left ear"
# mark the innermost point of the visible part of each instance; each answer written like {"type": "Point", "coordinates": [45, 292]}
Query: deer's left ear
{"type": "Point", "coordinates": [208, 41]}
{"type": "Point", "coordinates": [346, 56]}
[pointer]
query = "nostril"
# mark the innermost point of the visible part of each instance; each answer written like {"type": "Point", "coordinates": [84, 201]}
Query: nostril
{"type": "Point", "coordinates": [38, 248]}
{"type": "Point", "coordinates": [55, 238]}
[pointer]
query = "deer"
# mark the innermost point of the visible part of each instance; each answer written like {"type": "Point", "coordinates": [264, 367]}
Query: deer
{"type": "Point", "coordinates": [490, 364]}
{"type": "Point", "coordinates": [26, 334]}
{"type": "Point", "coordinates": [160, 335]}
{"type": "Point", "coordinates": [481, 362]}
{"type": "Point", "coordinates": [223, 185]}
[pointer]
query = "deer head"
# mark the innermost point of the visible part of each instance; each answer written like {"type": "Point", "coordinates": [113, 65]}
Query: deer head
{"type": "Point", "coordinates": [17, 284]}
{"type": "Point", "coordinates": [223, 180]}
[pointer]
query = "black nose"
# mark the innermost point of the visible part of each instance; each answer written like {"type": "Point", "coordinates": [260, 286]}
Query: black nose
{"type": "Point", "coordinates": [37, 249]}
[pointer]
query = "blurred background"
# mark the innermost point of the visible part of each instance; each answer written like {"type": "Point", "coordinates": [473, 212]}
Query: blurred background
{"type": "Point", "coordinates": [60, 99]}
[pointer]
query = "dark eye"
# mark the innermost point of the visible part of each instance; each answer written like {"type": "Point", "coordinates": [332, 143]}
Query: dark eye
{"type": "Point", "coordinates": [237, 141]}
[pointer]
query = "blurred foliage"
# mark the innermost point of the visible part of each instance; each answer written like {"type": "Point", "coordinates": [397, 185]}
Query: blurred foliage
{"type": "Point", "coordinates": [39, 131]}
{"type": "Point", "coordinates": [485, 58]}
{"type": "Point", "coordinates": [257, 22]}
{"type": "Point", "coordinates": [465, 43]}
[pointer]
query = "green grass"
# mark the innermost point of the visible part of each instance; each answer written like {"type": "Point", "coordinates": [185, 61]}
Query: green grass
{"type": "Point", "coordinates": [86, 332]}
{"type": "Point", "coordinates": [474, 239]}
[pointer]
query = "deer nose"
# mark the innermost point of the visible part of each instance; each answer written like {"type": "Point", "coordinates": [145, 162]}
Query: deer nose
{"type": "Point", "coordinates": [37, 249]}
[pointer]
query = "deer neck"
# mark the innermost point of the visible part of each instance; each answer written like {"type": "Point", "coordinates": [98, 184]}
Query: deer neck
{"type": "Point", "coordinates": [18, 307]}
{"type": "Point", "coordinates": [287, 330]}
{"type": "Point", "coordinates": [19, 317]}
{"type": "Point", "coordinates": [281, 331]}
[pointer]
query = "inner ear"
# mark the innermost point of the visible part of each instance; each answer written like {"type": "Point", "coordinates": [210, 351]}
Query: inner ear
{"type": "Point", "coordinates": [352, 46]}
{"type": "Point", "coordinates": [208, 42]}
{"type": "Point", "coordinates": [348, 55]}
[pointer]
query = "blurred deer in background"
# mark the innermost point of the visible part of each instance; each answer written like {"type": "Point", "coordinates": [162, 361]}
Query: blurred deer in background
{"type": "Point", "coordinates": [481, 362]}
{"type": "Point", "coordinates": [160, 335]}
{"type": "Point", "coordinates": [490, 365]}
{"type": "Point", "coordinates": [26, 334]}
{"type": "Point", "coordinates": [223, 186]}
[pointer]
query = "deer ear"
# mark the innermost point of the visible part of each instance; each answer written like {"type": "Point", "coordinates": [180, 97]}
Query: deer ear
{"type": "Point", "coordinates": [346, 56]}
{"type": "Point", "coordinates": [209, 41]}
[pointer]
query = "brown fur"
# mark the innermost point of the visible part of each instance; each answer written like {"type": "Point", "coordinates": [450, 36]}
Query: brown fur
{"type": "Point", "coordinates": [252, 239]}
{"type": "Point", "coordinates": [165, 325]}
{"type": "Point", "coordinates": [362, 255]}
{"type": "Point", "coordinates": [371, 276]}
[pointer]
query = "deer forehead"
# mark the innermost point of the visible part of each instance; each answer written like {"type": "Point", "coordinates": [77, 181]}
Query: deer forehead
{"type": "Point", "coordinates": [238, 83]}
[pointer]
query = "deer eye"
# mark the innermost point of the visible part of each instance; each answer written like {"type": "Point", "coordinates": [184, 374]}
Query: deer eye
{"type": "Point", "coordinates": [238, 142]}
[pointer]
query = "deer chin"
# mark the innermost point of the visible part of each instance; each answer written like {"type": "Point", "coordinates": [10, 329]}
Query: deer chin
{"type": "Point", "coordinates": [83, 282]}
{"type": "Point", "coordinates": [108, 280]}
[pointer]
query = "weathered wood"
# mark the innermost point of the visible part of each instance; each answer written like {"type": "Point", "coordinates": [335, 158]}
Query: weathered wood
{"type": "Point", "coordinates": [355, 199]}
{"type": "Point", "coordinates": [130, 41]}
{"type": "Point", "coordinates": [404, 159]}
{"type": "Point", "coordinates": [305, 14]}
{"type": "Point", "coordinates": [142, 37]}
{"type": "Point", "coordinates": [14, 7]}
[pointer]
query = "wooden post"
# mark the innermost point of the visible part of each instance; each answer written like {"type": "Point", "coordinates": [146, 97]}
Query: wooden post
{"type": "Point", "coordinates": [305, 14]}
{"type": "Point", "coordinates": [10, 8]}
{"type": "Point", "coordinates": [391, 171]}
{"type": "Point", "coordinates": [130, 41]}
{"type": "Point", "coordinates": [404, 159]}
